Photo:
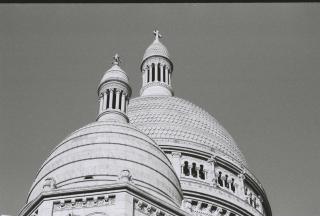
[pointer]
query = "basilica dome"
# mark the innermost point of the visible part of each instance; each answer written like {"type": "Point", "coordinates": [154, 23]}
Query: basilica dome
{"type": "Point", "coordinates": [97, 153]}
{"type": "Point", "coordinates": [166, 118]}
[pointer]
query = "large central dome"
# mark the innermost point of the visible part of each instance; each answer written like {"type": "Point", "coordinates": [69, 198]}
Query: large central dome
{"type": "Point", "coordinates": [166, 118]}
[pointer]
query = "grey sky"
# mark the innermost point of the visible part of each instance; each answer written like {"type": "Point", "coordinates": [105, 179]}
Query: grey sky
{"type": "Point", "coordinates": [255, 67]}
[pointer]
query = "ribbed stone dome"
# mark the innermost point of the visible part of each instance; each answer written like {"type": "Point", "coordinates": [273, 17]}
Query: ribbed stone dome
{"type": "Point", "coordinates": [100, 151]}
{"type": "Point", "coordinates": [156, 49]}
{"type": "Point", "coordinates": [115, 73]}
{"type": "Point", "coordinates": [175, 121]}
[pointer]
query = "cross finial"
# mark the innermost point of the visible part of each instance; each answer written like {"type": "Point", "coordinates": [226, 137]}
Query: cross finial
{"type": "Point", "coordinates": [116, 59]}
{"type": "Point", "coordinates": [157, 34]}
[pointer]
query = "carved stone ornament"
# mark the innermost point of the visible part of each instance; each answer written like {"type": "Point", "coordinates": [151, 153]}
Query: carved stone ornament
{"type": "Point", "coordinates": [49, 184]}
{"type": "Point", "coordinates": [125, 176]}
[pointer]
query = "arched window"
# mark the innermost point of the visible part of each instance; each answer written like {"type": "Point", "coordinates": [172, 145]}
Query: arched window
{"type": "Point", "coordinates": [186, 171]}
{"type": "Point", "coordinates": [107, 102]}
{"type": "Point", "coordinates": [148, 74]}
{"type": "Point", "coordinates": [250, 199]}
{"type": "Point", "coordinates": [114, 99]}
{"type": "Point", "coordinates": [220, 180]}
{"type": "Point", "coordinates": [120, 96]}
{"type": "Point", "coordinates": [201, 172]}
{"type": "Point", "coordinates": [226, 182]}
{"type": "Point", "coordinates": [194, 170]}
{"type": "Point", "coordinates": [153, 72]}
{"type": "Point", "coordinates": [159, 71]}
{"type": "Point", "coordinates": [232, 185]}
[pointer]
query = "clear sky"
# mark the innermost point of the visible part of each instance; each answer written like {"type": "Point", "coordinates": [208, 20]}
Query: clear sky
{"type": "Point", "coordinates": [255, 67]}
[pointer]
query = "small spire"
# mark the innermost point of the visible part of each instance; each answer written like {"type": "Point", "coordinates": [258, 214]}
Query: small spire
{"type": "Point", "coordinates": [157, 34]}
{"type": "Point", "coordinates": [116, 59]}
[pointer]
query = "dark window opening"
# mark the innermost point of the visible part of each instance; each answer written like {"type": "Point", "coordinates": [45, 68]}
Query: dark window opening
{"type": "Point", "coordinates": [153, 72]}
{"type": "Point", "coordinates": [120, 101]}
{"type": "Point", "coordinates": [201, 172]}
{"type": "Point", "coordinates": [88, 177]}
{"type": "Point", "coordinates": [114, 99]}
{"type": "Point", "coordinates": [220, 180]}
{"type": "Point", "coordinates": [158, 72]}
{"type": "Point", "coordinates": [226, 182]}
{"type": "Point", "coordinates": [186, 169]}
{"type": "Point", "coordinates": [203, 206]}
{"type": "Point", "coordinates": [194, 170]}
{"type": "Point", "coordinates": [232, 185]}
{"type": "Point", "coordinates": [164, 73]}
{"type": "Point", "coordinates": [148, 78]}
{"type": "Point", "coordinates": [107, 102]}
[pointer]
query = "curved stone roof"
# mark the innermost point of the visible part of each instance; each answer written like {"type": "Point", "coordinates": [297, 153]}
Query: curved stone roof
{"type": "Point", "coordinates": [115, 73]}
{"type": "Point", "coordinates": [156, 49]}
{"type": "Point", "coordinates": [102, 150]}
{"type": "Point", "coordinates": [173, 118]}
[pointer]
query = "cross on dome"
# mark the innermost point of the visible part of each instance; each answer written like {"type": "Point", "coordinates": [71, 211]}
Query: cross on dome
{"type": "Point", "coordinates": [157, 34]}
{"type": "Point", "coordinates": [116, 59]}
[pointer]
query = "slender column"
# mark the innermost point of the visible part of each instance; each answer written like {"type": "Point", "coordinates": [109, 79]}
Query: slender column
{"type": "Point", "coordinates": [241, 177]}
{"type": "Point", "coordinates": [212, 175]}
{"type": "Point", "coordinates": [150, 73]}
{"type": "Point", "coordinates": [123, 100]}
{"type": "Point", "coordinates": [117, 99]}
{"type": "Point", "coordinates": [110, 98]}
{"type": "Point", "coordinates": [104, 105]}
{"type": "Point", "coordinates": [156, 72]}
{"type": "Point", "coordinates": [205, 174]}
{"type": "Point", "coordinates": [259, 206]}
{"type": "Point", "coordinates": [169, 78]}
{"type": "Point", "coordinates": [167, 75]}
{"type": "Point", "coordinates": [145, 76]}
{"type": "Point", "coordinates": [126, 106]}
{"type": "Point", "coordinates": [161, 73]}
{"type": "Point", "coordinates": [100, 103]}
{"type": "Point", "coordinates": [197, 170]}
{"type": "Point", "coordinates": [176, 162]}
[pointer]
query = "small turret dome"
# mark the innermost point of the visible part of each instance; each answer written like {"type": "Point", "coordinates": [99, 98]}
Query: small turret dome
{"type": "Point", "coordinates": [115, 72]}
{"type": "Point", "coordinates": [156, 48]}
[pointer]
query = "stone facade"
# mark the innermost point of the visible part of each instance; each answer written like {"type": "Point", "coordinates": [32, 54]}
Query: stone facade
{"type": "Point", "coordinates": [155, 155]}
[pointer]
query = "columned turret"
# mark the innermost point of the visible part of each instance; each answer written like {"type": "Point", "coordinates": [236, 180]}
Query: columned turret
{"type": "Point", "coordinates": [156, 69]}
{"type": "Point", "coordinates": [114, 93]}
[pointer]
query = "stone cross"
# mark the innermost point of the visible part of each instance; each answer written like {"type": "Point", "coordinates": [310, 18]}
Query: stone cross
{"type": "Point", "coordinates": [157, 34]}
{"type": "Point", "coordinates": [116, 59]}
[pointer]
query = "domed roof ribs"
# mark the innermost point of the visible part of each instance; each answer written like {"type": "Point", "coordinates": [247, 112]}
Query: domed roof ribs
{"type": "Point", "coordinates": [114, 92]}
{"type": "Point", "coordinates": [156, 68]}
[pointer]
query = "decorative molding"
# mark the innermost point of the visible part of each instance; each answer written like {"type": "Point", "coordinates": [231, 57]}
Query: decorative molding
{"type": "Point", "coordinates": [85, 202]}
{"type": "Point", "coordinates": [148, 209]}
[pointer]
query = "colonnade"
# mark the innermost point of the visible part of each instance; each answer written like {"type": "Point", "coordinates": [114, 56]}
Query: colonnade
{"type": "Point", "coordinates": [113, 99]}
{"type": "Point", "coordinates": [157, 72]}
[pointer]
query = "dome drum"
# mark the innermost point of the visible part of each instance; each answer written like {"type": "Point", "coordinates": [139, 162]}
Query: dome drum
{"type": "Point", "coordinates": [115, 84]}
